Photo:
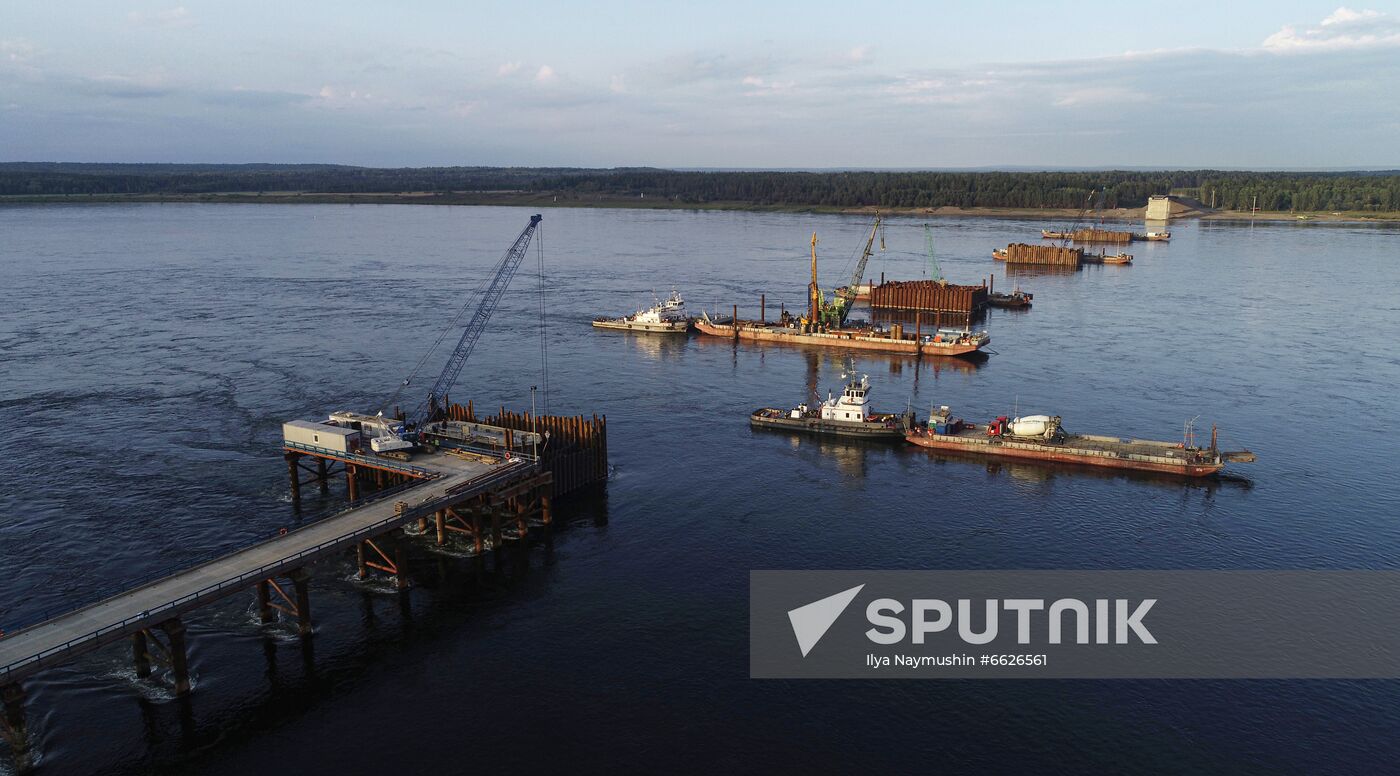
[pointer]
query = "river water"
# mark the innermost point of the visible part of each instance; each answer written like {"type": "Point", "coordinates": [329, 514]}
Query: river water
{"type": "Point", "coordinates": [149, 353]}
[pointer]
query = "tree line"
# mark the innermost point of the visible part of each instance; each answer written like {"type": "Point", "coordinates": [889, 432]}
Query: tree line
{"type": "Point", "coordinates": [1232, 190]}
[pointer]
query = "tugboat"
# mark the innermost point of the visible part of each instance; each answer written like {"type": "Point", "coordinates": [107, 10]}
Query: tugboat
{"type": "Point", "coordinates": [1103, 258]}
{"type": "Point", "coordinates": [1016, 298]}
{"type": "Point", "coordinates": [666, 317]}
{"type": "Point", "coordinates": [1043, 438]}
{"type": "Point", "coordinates": [848, 416]}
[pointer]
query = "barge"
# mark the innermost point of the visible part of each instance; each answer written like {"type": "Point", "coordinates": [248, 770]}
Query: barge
{"type": "Point", "coordinates": [1043, 438]}
{"type": "Point", "coordinates": [848, 415]}
{"type": "Point", "coordinates": [666, 317]}
{"type": "Point", "coordinates": [943, 342]}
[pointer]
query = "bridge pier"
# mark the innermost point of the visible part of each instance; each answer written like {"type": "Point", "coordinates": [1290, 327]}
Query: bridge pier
{"type": "Point", "coordinates": [265, 614]}
{"type": "Point", "coordinates": [322, 475]}
{"type": "Point", "coordinates": [300, 578]}
{"type": "Point", "coordinates": [141, 654]}
{"type": "Point", "coordinates": [12, 722]}
{"type": "Point", "coordinates": [179, 659]}
{"type": "Point", "coordinates": [401, 564]}
{"type": "Point", "coordinates": [295, 477]}
{"type": "Point", "coordinates": [350, 474]}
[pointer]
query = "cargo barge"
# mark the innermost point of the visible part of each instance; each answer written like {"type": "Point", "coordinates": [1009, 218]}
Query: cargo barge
{"type": "Point", "coordinates": [848, 415]}
{"type": "Point", "coordinates": [943, 342]}
{"type": "Point", "coordinates": [1099, 235]}
{"type": "Point", "coordinates": [1042, 438]}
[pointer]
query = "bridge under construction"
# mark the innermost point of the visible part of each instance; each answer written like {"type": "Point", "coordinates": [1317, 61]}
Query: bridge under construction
{"type": "Point", "coordinates": [439, 473]}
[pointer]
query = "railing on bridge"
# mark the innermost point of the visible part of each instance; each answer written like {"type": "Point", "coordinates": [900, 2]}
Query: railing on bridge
{"type": "Point", "coordinates": [377, 461]}
{"type": "Point", "coordinates": [241, 580]}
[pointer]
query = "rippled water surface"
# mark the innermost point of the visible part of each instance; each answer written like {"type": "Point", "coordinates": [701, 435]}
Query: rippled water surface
{"type": "Point", "coordinates": [150, 352]}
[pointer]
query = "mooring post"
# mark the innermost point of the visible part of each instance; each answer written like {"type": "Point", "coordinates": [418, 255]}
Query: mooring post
{"type": "Point", "coordinates": [299, 579]}
{"type": "Point", "coordinates": [179, 660]}
{"type": "Point", "coordinates": [918, 337]}
{"type": "Point", "coordinates": [141, 654]}
{"type": "Point", "coordinates": [265, 615]}
{"type": "Point", "coordinates": [295, 477]}
{"type": "Point", "coordinates": [12, 720]}
{"type": "Point", "coordinates": [762, 308]}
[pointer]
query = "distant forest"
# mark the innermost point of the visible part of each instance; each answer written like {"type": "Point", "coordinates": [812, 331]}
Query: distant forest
{"type": "Point", "coordinates": [1273, 191]}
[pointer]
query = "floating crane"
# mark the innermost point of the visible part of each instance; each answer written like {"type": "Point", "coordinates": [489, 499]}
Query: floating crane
{"type": "Point", "coordinates": [846, 297]}
{"type": "Point", "coordinates": [397, 438]}
{"type": "Point", "coordinates": [935, 271]}
{"type": "Point", "coordinates": [833, 313]}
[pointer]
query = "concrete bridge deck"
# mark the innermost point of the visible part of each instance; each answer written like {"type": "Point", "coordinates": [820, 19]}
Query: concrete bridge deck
{"type": "Point", "coordinates": [66, 636]}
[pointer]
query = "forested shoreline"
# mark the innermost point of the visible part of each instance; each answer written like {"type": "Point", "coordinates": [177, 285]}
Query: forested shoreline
{"type": "Point", "coordinates": [1227, 190]}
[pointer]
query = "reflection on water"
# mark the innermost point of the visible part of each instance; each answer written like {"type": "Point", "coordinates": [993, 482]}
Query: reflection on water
{"type": "Point", "coordinates": [656, 347]}
{"type": "Point", "coordinates": [1042, 472]}
{"type": "Point", "coordinates": [1039, 270]}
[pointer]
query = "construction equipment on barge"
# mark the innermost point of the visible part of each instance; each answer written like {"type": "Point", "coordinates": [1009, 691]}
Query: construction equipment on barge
{"type": "Point", "coordinates": [930, 296]}
{"type": "Point", "coordinates": [824, 324]}
{"type": "Point", "coordinates": [894, 339]}
{"type": "Point", "coordinates": [1043, 438]}
{"type": "Point", "coordinates": [1021, 253]}
{"type": "Point", "coordinates": [848, 415]}
{"type": "Point", "coordinates": [935, 295]}
{"type": "Point", "coordinates": [1102, 236]}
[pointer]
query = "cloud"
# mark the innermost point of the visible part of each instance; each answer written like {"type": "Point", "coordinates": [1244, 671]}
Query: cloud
{"type": "Point", "coordinates": [617, 84]}
{"type": "Point", "coordinates": [858, 54]}
{"type": "Point", "coordinates": [340, 97]}
{"type": "Point", "coordinates": [545, 74]}
{"type": "Point", "coordinates": [1102, 95]}
{"type": "Point", "coordinates": [508, 68]}
{"type": "Point", "coordinates": [178, 16]}
{"type": "Point", "coordinates": [16, 51]}
{"type": "Point", "coordinates": [1342, 30]}
{"type": "Point", "coordinates": [759, 86]}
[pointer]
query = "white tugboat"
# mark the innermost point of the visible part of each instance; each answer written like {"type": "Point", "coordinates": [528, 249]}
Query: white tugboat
{"type": "Point", "coordinates": [666, 317]}
{"type": "Point", "coordinates": [847, 415]}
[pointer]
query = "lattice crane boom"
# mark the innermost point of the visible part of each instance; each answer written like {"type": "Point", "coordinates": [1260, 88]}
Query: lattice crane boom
{"type": "Point", "coordinates": [490, 297]}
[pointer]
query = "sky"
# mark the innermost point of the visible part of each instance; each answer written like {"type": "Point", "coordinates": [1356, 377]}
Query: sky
{"type": "Point", "coordinates": [716, 84]}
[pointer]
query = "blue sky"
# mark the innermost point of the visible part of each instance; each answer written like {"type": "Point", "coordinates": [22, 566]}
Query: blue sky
{"type": "Point", "coordinates": [714, 84]}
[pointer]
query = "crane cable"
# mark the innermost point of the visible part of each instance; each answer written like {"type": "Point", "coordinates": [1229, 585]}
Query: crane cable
{"type": "Point", "coordinates": [544, 321]}
{"type": "Point", "coordinates": [452, 325]}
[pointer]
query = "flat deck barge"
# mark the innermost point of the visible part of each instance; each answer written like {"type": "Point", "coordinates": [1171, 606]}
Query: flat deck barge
{"type": "Point", "coordinates": [940, 343]}
{"type": "Point", "coordinates": [994, 440]}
